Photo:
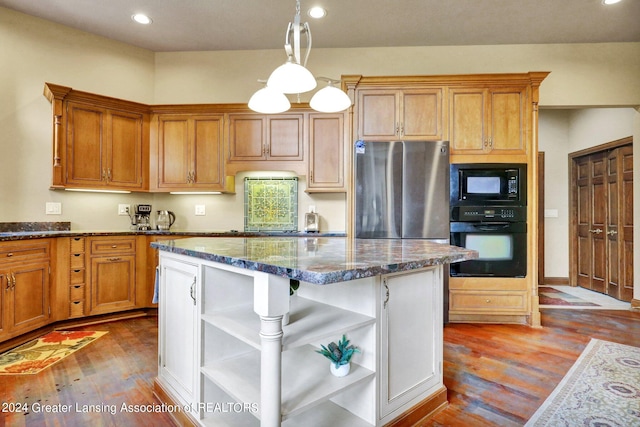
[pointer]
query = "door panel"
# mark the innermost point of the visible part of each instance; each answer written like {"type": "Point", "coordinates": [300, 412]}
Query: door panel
{"type": "Point", "coordinates": [625, 223]}
{"type": "Point", "coordinates": [598, 223]}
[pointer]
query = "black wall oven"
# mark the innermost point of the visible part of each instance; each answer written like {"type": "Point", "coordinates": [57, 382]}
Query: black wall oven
{"type": "Point", "coordinates": [501, 246]}
{"type": "Point", "coordinates": [489, 215]}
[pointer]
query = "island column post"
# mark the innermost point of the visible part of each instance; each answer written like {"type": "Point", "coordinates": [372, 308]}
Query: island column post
{"type": "Point", "coordinates": [270, 302]}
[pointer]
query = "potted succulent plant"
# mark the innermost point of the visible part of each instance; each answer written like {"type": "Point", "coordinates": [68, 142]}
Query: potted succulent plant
{"type": "Point", "coordinates": [340, 356]}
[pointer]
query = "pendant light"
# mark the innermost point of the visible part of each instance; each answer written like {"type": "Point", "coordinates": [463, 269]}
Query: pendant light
{"type": "Point", "coordinates": [293, 77]}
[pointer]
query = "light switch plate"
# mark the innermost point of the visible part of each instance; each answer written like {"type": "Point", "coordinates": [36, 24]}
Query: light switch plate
{"type": "Point", "coordinates": [53, 208]}
{"type": "Point", "coordinates": [123, 209]}
{"type": "Point", "coordinates": [200, 210]}
{"type": "Point", "coordinates": [551, 213]}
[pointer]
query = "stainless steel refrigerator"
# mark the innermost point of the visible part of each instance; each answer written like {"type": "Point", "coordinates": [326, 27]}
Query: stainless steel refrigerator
{"type": "Point", "coordinates": [402, 190]}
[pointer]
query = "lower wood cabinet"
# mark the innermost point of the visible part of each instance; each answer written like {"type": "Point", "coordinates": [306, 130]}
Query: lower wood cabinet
{"type": "Point", "coordinates": [112, 274]}
{"type": "Point", "coordinates": [24, 279]}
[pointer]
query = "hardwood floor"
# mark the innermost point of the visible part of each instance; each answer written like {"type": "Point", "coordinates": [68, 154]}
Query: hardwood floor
{"type": "Point", "coordinates": [496, 375]}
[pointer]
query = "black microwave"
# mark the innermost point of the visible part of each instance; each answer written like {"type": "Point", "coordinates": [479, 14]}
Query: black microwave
{"type": "Point", "coordinates": [481, 184]}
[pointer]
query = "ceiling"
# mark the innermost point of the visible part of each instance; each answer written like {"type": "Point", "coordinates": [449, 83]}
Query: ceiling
{"type": "Point", "coordinates": [195, 25]}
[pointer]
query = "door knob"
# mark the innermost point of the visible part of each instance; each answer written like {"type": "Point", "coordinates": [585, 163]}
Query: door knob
{"type": "Point", "coordinates": [612, 232]}
{"type": "Point", "coordinates": [596, 231]}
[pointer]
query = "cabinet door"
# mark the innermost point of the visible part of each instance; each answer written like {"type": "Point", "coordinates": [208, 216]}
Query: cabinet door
{"type": "Point", "coordinates": [5, 287]}
{"type": "Point", "coordinates": [285, 137]}
{"type": "Point", "coordinates": [178, 327]}
{"type": "Point", "coordinates": [468, 126]}
{"type": "Point", "coordinates": [173, 151]}
{"type": "Point", "coordinates": [421, 115]}
{"type": "Point", "coordinates": [411, 339]}
{"type": "Point", "coordinates": [124, 150]}
{"type": "Point", "coordinates": [326, 152]}
{"type": "Point", "coordinates": [28, 300]}
{"type": "Point", "coordinates": [206, 153]}
{"type": "Point", "coordinates": [113, 280]}
{"type": "Point", "coordinates": [85, 146]}
{"type": "Point", "coordinates": [247, 137]}
{"type": "Point", "coordinates": [378, 115]}
{"type": "Point", "coordinates": [507, 121]}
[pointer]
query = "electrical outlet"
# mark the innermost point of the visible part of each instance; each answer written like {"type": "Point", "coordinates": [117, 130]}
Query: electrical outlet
{"type": "Point", "coordinates": [200, 210]}
{"type": "Point", "coordinates": [53, 208]}
{"type": "Point", "coordinates": [123, 209]}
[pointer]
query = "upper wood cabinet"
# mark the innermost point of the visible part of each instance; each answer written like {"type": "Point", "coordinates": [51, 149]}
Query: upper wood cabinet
{"type": "Point", "coordinates": [255, 139]}
{"type": "Point", "coordinates": [189, 152]}
{"type": "Point", "coordinates": [488, 120]}
{"type": "Point", "coordinates": [408, 114]}
{"type": "Point", "coordinates": [98, 142]}
{"type": "Point", "coordinates": [104, 148]}
{"type": "Point", "coordinates": [326, 153]}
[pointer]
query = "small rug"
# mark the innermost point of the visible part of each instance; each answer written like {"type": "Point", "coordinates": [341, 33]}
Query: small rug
{"type": "Point", "coordinates": [552, 296]}
{"type": "Point", "coordinates": [601, 389]}
{"type": "Point", "coordinates": [38, 354]}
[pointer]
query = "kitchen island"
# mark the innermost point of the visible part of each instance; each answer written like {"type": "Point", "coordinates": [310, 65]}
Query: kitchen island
{"type": "Point", "coordinates": [226, 358]}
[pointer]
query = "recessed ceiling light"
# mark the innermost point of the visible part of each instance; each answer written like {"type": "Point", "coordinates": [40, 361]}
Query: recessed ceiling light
{"type": "Point", "coordinates": [141, 18]}
{"type": "Point", "coordinates": [317, 12]}
{"type": "Point", "coordinates": [611, 1]}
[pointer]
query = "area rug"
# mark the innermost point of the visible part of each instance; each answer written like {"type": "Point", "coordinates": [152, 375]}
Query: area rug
{"type": "Point", "coordinates": [552, 296]}
{"type": "Point", "coordinates": [38, 354]}
{"type": "Point", "coordinates": [601, 389]}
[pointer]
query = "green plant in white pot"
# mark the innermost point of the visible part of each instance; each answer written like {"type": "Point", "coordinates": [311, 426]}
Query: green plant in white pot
{"type": "Point", "coordinates": [340, 356]}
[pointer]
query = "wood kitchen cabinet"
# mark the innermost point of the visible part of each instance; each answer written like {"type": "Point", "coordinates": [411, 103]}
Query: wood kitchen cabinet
{"type": "Point", "coordinates": [400, 114]}
{"type": "Point", "coordinates": [112, 274]}
{"type": "Point", "coordinates": [488, 121]}
{"type": "Point", "coordinates": [24, 276]}
{"type": "Point", "coordinates": [327, 154]}
{"type": "Point", "coordinates": [98, 142]}
{"type": "Point", "coordinates": [261, 142]}
{"type": "Point", "coordinates": [189, 153]}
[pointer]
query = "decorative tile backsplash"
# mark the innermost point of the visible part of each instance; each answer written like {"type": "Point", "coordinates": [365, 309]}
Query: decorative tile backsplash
{"type": "Point", "coordinates": [271, 204]}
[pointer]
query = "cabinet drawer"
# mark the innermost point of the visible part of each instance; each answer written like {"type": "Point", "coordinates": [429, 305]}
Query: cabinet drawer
{"type": "Point", "coordinates": [481, 302]}
{"type": "Point", "coordinates": [76, 261]}
{"type": "Point", "coordinates": [77, 276]}
{"type": "Point", "coordinates": [111, 246]}
{"type": "Point", "coordinates": [76, 308]}
{"type": "Point", "coordinates": [76, 292]}
{"type": "Point", "coordinates": [77, 245]}
{"type": "Point", "coordinates": [10, 252]}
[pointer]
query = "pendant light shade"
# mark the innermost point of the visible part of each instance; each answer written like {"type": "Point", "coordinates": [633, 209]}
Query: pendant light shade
{"type": "Point", "coordinates": [291, 78]}
{"type": "Point", "coordinates": [269, 101]}
{"type": "Point", "coordinates": [330, 99]}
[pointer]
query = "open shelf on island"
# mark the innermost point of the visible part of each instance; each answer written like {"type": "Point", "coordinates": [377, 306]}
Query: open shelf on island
{"type": "Point", "coordinates": [306, 380]}
{"type": "Point", "coordinates": [309, 321]}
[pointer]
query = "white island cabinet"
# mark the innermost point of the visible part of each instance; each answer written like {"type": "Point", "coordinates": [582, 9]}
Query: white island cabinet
{"type": "Point", "coordinates": [227, 360]}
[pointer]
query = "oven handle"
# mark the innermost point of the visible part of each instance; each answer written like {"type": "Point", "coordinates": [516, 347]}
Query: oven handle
{"type": "Point", "coordinates": [494, 226]}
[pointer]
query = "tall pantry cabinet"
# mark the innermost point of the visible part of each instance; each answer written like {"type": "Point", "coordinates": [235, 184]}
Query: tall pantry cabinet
{"type": "Point", "coordinates": [487, 118]}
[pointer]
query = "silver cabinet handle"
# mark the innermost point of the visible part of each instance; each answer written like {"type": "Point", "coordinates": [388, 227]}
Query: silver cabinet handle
{"type": "Point", "coordinates": [192, 290]}
{"type": "Point", "coordinates": [386, 300]}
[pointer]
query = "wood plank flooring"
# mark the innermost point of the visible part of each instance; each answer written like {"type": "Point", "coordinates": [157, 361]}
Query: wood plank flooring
{"type": "Point", "coordinates": [496, 375]}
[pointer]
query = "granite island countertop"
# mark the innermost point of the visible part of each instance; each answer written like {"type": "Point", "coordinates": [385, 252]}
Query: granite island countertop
{"type": "Point", "coordinates": [319, 260]}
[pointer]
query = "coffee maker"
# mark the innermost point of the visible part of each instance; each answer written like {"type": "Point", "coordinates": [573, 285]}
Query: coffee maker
{"type": "Point", "coordinates": [141, 217]}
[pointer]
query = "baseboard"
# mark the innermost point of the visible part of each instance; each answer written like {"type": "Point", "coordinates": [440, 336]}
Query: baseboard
{"type": "Point", "coordinates": [423, 410]}
{"type": "Point", "coordinates": [635, 304]}
{"type": "Point", "coordinates": [181, 418]}
{"type": "Point", "coordinates": [556, 281]}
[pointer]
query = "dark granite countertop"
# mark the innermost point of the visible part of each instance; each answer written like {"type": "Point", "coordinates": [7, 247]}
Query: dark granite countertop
{"type": "Point", "coordinates": [28, 230]}
{"type": "Point", "coordinates": [319, 260]}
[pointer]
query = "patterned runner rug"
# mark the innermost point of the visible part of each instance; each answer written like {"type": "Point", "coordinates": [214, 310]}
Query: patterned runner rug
{"type": "Point", "coordinates": [38, 354]}
{"type": "Point", "coordinates": [601, 389]}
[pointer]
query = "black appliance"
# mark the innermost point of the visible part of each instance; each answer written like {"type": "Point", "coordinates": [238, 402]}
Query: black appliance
{"type": "Point", "coordinates": [482, 184]}
{"type": "Point", "coordinates": [499, 238]}
{"type": "Point", "coordinates": [489, 214]}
